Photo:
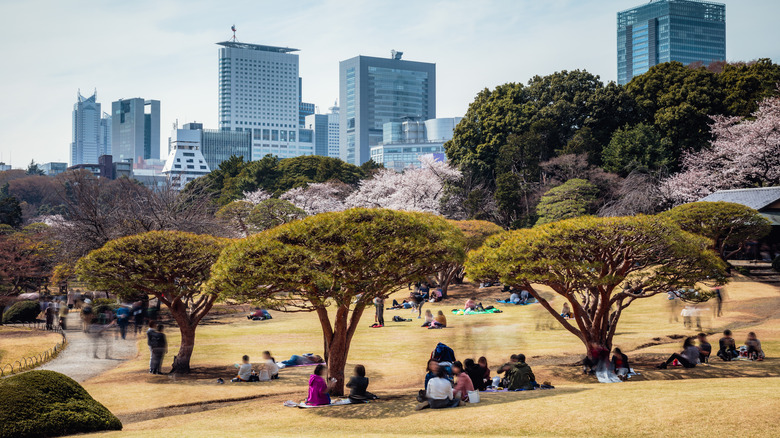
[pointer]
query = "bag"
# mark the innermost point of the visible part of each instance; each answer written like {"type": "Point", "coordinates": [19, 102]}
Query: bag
{"type": "Point", "coordinates": [473, 396]}
{"type": "Point", "coordinates": [422, 396]}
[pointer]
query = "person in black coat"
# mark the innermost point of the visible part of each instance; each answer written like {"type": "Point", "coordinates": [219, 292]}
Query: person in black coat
{"type": "Point", "coordinates": [357, 386]}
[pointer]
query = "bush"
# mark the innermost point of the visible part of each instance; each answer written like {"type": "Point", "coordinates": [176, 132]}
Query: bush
{"type": "Point", "coordinates": [22, 311]}
{"type": "Point", "coordinates": [48, 404]}
{"type": "Point", "coordinates": [776, 264]}
{"type": "Point", "coordinates": [100, 305]}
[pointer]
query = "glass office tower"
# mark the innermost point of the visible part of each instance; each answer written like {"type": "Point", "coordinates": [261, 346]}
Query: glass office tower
{"type": "Point", "coordinates": [661, 31]}
{"type": "Point", "coordinates": [375, 91]}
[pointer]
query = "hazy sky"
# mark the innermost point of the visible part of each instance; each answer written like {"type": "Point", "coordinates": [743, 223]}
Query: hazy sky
{"type": "Point", "coordinates": [165, 50]}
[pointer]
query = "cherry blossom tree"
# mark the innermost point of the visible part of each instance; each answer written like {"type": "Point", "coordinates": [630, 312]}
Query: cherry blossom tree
{"type": "Point", "coordinates": [745, 153]}
{"type": "Point", "coordinates": [319, 198]}
{"type": "Point", "coordinates": [414, 190]}
{"type": "Point", "coordinates": [256, 196]}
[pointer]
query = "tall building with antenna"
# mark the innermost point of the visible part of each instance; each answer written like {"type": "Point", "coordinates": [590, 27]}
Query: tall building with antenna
{"type": "Point", "coordinates": [259, 92]}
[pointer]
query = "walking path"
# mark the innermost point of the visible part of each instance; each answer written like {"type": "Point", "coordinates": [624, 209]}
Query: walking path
{"type": "Point", "coordinates": [78, 360]}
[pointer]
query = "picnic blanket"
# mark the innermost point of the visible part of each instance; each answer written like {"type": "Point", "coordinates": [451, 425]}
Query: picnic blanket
{"type": "Point", "coordinates": [303, 405]}
{"type": "Point", "coordinates": [282, 366]}
{"type": "Point", "coordinates": [530, 301]}
{"type": "Point", "coordinates": [474, 312]}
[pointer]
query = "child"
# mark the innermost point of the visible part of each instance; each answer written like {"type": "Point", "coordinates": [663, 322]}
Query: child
{"type": "Point", "coordinates": [244, 370]}
{"type": "Point", "coordinates": [357, 386]}
{"type": "Point", "coordinates": [270, 365]}
{"type": "Point", "coordinates": [754, 350]}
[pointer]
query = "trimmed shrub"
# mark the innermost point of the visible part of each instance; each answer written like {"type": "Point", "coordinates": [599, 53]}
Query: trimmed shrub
{"type": "Point", "coordinates": [48, 404]}
{"type": "Point", "coordinates": [22, 311]}
{"type": "Point", "coordinates": [100, 305]}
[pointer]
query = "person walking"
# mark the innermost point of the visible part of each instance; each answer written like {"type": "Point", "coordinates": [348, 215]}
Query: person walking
{"type": "Point", "coordinates": [122, 320]}
{"type": "Point", "coordinates": [63, 315]}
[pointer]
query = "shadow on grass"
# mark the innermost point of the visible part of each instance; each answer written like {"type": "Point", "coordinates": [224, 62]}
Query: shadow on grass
{"type": "Point", "coordinates": [399, 406]}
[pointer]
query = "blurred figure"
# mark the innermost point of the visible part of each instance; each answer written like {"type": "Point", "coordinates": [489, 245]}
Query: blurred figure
{"type": "Point", "coordinates": [97, 332]}
{"type": "Point", "coordinates": [463, 383]}
{"type": "Point", "coordinates": [244, 370]}
{"type": "Point", "coordinates": [620, 364]}
{"type": "Point", "coordinates": [719, 297]}
{"type": "Point", "coordinates": [483, 366]}
{"type": "Point", "coordinates": [122, 320]}
{"type": "Point", "coordinates": [63, 315]}
{"type": "Point", "coordinates": [687, 313]}
{"type": "Point", "coordinates": [158, 347]}
{"type": "Point", "coordinates": [705, 349]}
{"type": "Point", "coordinates": [358, 385]}
{"type": "Point", "coordinates": [727, 348]}
{"type": "Point", "coordinates": [524, 296]}
{"type": "Point", "coordinates": [319, 387]}
{"type": "Point", "coordinates": [673, 305]}
{"type": "Point", "coordinates": [138, 316]}
{"type": "Point", "coordinates": [379, 316]}
{"type": "Point", "coordinates": [86, 315]}
{"type": "Point", "coordinates": [688, 358]}
{"type": "Point", "coordinates": [596, 359]}
{"type": "Point", "coordinates": [754, 350]}
{"type": "Point", "coordinates": [270, 365]}
{"type": "Point", "coordinates": [49, 313]}
{"type": "Point", "coordinates": [439, 393]}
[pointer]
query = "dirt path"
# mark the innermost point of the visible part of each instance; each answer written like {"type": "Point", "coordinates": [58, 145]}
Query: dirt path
{"type": "Point", "coordinates": [78, 359]}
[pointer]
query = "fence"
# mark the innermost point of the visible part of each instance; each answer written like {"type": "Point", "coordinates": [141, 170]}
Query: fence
{"type": "Point", "coordinates": [31, 362]}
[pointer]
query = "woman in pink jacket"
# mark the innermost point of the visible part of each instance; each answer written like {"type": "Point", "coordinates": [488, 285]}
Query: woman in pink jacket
{"type": "Point", "coordinates": [319, 387]}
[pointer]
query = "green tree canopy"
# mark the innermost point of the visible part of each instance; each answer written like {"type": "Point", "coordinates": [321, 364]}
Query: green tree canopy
{"type": "Point", "coordinates": [640, 146]}
{"type": "Point", "coordinates": [10, 209]}
{"type": "Point", "coordinates": [273, 212]}
{"type": "Point", "coordinates": [576, 197]}
{"type": "Point", "coordinates": [725, 224]}
{"type": "Point", "coordinates": [334, 264]}
{"type": "Point", "coordinates": [597, 265]}
{"type": "Point", "coordinates": [475, 232]}
{"type": "Point", "coordinates": [170, 265]}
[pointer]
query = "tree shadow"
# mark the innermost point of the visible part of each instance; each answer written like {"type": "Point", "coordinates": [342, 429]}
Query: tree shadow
{"type": "Point", "coordinates": [399, 406]}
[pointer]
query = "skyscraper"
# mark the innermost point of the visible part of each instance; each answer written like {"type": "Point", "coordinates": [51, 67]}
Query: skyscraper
{"type": "Point", "coordinates": [84, 147]}
{"type": "Point", "coordinates": [375, 91]}
{"type": "Point", "coordinates": [334, 123]}
{"type": "Point", "coordinates": [661, 31]}
{"type": "Point", "coordinates": [135, 129]}
{"type": "Point", "coordinates": [104, 139]}
{"type": "Point", "coordinates": [259, 92]}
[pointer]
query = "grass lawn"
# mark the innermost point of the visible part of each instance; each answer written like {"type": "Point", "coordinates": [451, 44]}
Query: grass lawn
{"type": "Point", "coordinates": [723, 398]}
{"type": "Point", "coordinates": [17, 343]}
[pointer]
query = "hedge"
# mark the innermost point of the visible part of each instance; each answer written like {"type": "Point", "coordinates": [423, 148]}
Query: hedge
{"type": "Point", "coordinates": [48, 404]}
{"type": "Point", "coordinates": [22, 311]}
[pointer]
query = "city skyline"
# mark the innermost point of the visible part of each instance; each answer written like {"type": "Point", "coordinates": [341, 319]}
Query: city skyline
{"type": "Point", "coordinates": [172, 54]}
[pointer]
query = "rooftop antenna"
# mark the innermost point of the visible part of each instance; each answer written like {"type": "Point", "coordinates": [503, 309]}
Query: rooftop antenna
{"type": "Point", "coordinates": [233, 28]}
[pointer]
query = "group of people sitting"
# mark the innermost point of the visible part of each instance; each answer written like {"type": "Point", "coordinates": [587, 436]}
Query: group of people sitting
{"type": "Point", "coordinates": [320, 386]}
{"type": "Point", "coordinates": [435, 322]}
{"type": "Point", "coordinates": [449, 381]}
{"type": "Point", "coordinates": [694, 354]}
{"type": "Point", "coordinates": [262, 372]}
{"type": "Point", "coordinates": [259, 314]}
{"type": "Point", "coordinates": [522, 297]}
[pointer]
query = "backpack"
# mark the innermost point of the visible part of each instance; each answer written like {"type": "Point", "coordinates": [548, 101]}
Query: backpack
{"type": "Point", "coordinates": [156, 340]}
{"type": "Point", "coordinates": [443, 353]}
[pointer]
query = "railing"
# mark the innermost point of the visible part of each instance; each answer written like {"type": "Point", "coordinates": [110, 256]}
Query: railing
{"type": "Point", "coordinates": [30, 362]}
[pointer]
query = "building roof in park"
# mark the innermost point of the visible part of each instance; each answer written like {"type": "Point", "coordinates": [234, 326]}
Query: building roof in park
{"type": "Point", "coordinates": [764, 199]}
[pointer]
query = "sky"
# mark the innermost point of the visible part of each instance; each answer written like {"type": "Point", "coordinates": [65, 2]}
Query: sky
{"type": "Point", "coordinates": [165, 50]}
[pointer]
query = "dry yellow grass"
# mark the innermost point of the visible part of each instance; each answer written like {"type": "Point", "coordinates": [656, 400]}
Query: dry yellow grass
{"type": "Point", "coordinates": [395, 357]}
{"type": "Point", "coordinates": [17, 343]}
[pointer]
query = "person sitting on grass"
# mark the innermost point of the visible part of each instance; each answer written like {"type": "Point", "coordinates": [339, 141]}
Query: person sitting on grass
{"type": "Point", "coordinates": [244, 370]}
{"type": "Point", "coordinates": [566, 311]}
{"type": "Point", "coordinates": [471, 304]}
{"type": "Point", "coordinates": [428, 319]}
{"type": "Point", "coordinates": [689, 357]}
{"type": "Point", "coordinates": [705, 349]}
{"type": "Point", "coordinates": [438, 392]}
{"type": "Point", "coordinates": [483, 365]}
{"type": "Point", "coordinates": [436, 295]}
{"type": "Point", "coordinates": [319, 387]}
{"type": "Point", "coordinates": [259, 315]}
{"type": "Point", "coordinates": [514, 298]}
{"type": "Point", "coordinates": [727, 347]}
{"type": "Point", "coordinates": [270, 365]}
{"type": "Point", "coordinates": [506, 369]}
{"type": "Point", "coordinates": [476, 374]}
{"type": "Point", "coordinates": [620, 364]}
{"type": "Point", "coordinates": [440, 321]}
{"type": "Point", "coordinates": [357, 386]}
{"type": "Point", "coordinates": [754, 350]}
{"type": "Point", "coordinates": [306, 359]}
{"type": "Point", "coordinates": [521, 377]}
{"type": "Point", "coordinates": [463, 383]}
{"type": "Point", "coordinates": [524, 296]}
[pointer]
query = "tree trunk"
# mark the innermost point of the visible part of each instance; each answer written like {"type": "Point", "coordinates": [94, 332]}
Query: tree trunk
{"type": "Point", "coordinates": [337, 350]}
{"type": "Point", "coordinates": [181, 362]}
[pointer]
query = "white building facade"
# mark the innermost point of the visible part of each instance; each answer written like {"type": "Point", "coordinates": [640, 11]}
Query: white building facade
{"type": "Point", "coordinates": [405, 142]}
{"type": "Point", "coordinates": [259, 92]}
{"type": "Point", "coordinates": [185, 161]}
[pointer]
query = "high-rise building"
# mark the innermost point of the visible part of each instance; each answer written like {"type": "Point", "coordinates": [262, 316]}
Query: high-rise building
{"type": "Point", "coordinates": [318, 123]}
{"type": "Point", "coordinates": [84, 147]}
{"type": "Point", "coordinates": [686, 31]}
{"type": "Point", "coordinates": [104, 139]}
{"type": "Point", "coordinates": [54, 168]}
{"type": "Point", "coordinates": [333, 131]}
{"type": "Point", "coordinates": [375, 91]}
{"type": "Point", "coordinates": [405, 142]}
{"type": "Point", "coordinates": [135, 129]}
{"type": "Point", "coordinates": [259, 93]}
